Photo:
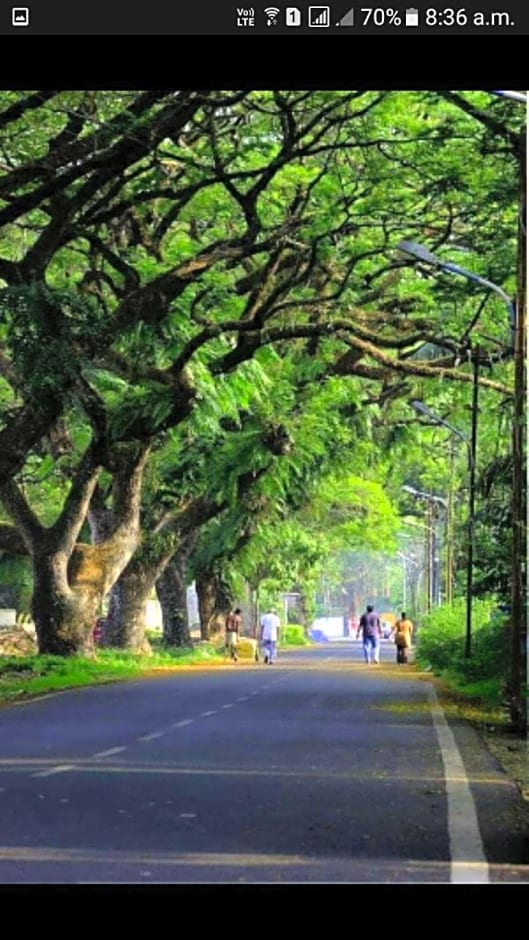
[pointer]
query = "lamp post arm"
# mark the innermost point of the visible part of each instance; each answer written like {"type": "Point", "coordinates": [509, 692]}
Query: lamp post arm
{"type": "Point", "coordinates": [455, 269]}
{"type": "Point", "coordinates": [422, 495]}
{"type": "Point", "coordinates": [423, 409]}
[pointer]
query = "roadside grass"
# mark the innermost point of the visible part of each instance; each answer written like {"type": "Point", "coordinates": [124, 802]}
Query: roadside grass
{"type": "Point", "coordinates": [23, 677]}
{"type": "Point", "coordinates": [481, 703]}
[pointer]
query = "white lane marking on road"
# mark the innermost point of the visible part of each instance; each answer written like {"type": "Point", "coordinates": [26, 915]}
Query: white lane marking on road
{"type": "Point", "coordinates": [111, 750]}
{"type": "Point", "coordinates": [152, 736]}
{"type": "Point", "coordinates": [468, 860]}
{"type": "Point", "coordinates": [180, 724]}
{"type": "Point", "coordinates": [243, 698]}
{"type": "Point", "coordinates": [54, 770]}
{"type": "Point", "coordinates": [188, 815]}
{"type": "Point", "coordinates": [227, 706]}
{"type": "Point", "coordinates": [207, 714]}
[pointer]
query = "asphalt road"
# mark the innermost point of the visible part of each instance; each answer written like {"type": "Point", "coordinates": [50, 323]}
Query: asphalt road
{"type": "Point", "coordinates": [316, 769]}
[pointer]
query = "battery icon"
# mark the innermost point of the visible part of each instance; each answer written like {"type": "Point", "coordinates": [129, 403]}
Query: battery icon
{"type": "Point", "coordinates": [412, 17]}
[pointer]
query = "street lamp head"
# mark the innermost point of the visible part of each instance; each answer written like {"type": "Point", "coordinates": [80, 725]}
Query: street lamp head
{"type": "Point", "coordinates": [422, 409]}
{"type": "Point", "coordinates": [513, 95]}
{"type": "Point", "coordinates": [419, 252]}
{"type": "Point", "coordinates": [429, 496]}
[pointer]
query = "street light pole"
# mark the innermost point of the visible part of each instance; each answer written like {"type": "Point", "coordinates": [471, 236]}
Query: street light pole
{"type": "Point", "coordinates": [517, 323]}
{"type": "Point", "coordinates": [449, 530]}
{"type": "Point", "coordinates": [433, 589]}
{"type": "Point", "coordinates": [471, 503]}
{"type": "Point", "coordinates": [470, 443]}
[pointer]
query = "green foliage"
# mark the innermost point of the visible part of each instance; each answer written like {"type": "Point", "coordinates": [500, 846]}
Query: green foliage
{"type": "Point", "coordinates": [441, 642]}
{"type": "Point", "coordinates": [294, 635]}
{"type": "Point", "coordinates": [16, 583]}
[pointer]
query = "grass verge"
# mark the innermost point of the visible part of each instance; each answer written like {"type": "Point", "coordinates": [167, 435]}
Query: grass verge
{"type": "Point", "coordinates": [23, 677]}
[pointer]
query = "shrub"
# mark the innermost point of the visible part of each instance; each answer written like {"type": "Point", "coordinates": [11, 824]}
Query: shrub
{"type": "Point", "coordinates": [441, 641]}
{"type": "Point", "coordinates": [294, 635]}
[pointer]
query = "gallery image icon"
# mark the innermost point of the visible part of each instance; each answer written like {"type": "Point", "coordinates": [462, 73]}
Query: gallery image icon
{"type": "Point", "coordinates": [319, 16]}
{"type": "Point", "coordinates": [19, 16]}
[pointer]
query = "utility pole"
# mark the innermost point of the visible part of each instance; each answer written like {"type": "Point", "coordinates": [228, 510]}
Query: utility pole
{"type": "Point", "coordinates": [429, 554]}
{"type": "Point", "coordinates": [449, 531]}
{"type": "Point", "coordinates": [518, 702]}
{"type": "Point", "coordinates": [472, 499]}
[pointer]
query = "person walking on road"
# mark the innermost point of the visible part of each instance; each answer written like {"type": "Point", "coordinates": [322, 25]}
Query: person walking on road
{"type": "Point", "coordinates": [402, 638]}
{"type": "Point", "coordinates": [371, 633]}
{"type": "Point", "coordinates": [269, 636]}
{"type": "Point", "coordinates": [233, 629]}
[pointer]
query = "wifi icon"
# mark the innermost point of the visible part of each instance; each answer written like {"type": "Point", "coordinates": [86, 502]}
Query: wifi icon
{"type": "Point", "coordinates": [271, 14]}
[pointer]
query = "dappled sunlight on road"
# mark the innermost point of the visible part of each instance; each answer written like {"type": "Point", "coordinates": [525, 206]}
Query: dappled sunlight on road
{"type": "Point", "coordinates": [89, 766]}
{"type": "Point", "coordinates": [255, 866]}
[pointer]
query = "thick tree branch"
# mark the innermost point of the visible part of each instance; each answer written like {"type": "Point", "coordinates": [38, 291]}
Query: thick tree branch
{"type": "Point", "coordinates": [486, 118]}
{"type": "Point", "coordinates": [16, 504]}
{"type": "Point", "coordinates": [62, 535]}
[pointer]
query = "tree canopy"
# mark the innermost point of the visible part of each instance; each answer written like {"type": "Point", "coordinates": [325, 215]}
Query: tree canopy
{"type": "Point", "coordinates": [206, 326]}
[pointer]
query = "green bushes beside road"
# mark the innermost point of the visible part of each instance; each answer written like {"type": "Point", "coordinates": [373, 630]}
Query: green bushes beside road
{"type": "Point", "coordinates": [294, 635]}
{"type": "Point", "coordinates": [441, 647]}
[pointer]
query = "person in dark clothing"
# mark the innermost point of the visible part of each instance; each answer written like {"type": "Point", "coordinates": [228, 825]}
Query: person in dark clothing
{"type": "Point", "coordinates": [371, 632]}
{"type": "Point", "coordinates": [233, 630]}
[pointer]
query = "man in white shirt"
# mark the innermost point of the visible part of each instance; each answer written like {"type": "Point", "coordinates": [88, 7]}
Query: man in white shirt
{"type": "Point", "coordinates": [269, 635]}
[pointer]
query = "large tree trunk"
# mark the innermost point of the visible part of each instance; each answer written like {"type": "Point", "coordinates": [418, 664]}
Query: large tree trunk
{"type": "Point", "coordinates": [64, 617]}
{"type": "Point", "coordinates": [172, 593]}
{"type": "Point", "coordinates": [71, 579]}
{"type": "Point", "coordinates": [125, 625]}
{"type": "Point", "coordinates": [214, 603]}
{"type": "Point", "coordinates": [173, 534]}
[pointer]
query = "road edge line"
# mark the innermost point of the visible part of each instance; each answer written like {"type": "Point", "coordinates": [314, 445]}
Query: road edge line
{"type": "Point", "coordinates": [468, 862]}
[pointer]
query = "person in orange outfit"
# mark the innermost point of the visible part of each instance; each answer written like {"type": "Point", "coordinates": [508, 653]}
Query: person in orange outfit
{"type": "Point", "coordinates": [402, 637]}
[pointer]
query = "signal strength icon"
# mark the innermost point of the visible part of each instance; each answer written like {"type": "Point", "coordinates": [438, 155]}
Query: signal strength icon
{"type": "Point", "coordinates": [319, 16]}
{"type": "Point", "coordinates": [271, 15]}
{"type": "Point", "coordinates": [348, 19]}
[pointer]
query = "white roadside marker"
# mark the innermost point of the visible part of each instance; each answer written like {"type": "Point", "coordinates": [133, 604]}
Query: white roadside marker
{"type": "Point", "coordinates": [111, 750]}
{"type": "Point", "coordinates": [151, 737]}
{"type": "Point", "coordinates": [468, 860]}
{"type": "Point", "coordinates": [54, 770]}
